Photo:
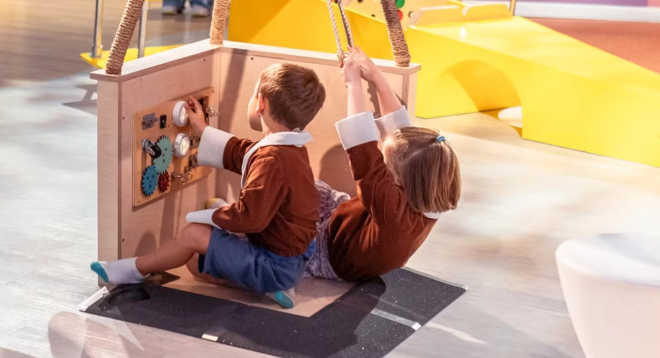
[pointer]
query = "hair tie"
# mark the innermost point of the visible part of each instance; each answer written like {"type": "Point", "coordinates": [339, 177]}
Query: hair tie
{"type": "Point", "coordinates": [440, 138]}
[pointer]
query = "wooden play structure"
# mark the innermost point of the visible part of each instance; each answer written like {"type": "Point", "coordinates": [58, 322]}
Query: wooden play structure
{"type": "Point", "coordinates": [137, 109]}
{"type": "Point", "coordinates": [479, 58]}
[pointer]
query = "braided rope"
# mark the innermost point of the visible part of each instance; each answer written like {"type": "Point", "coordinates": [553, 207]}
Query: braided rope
{"type": "Point", "coordinates": [394, 29]}
{"type": "Point", "coordinates": [123, 36]}
{"type": "Point", "coordinates": [220, 10]}
{"type": "Point", "coordinates": [340, 51]}
{"type": "Point", "coordinates": [347, 25]}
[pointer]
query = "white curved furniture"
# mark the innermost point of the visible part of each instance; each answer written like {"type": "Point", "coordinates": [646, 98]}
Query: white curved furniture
{"type": "Point", "coordinates": [612, 289]}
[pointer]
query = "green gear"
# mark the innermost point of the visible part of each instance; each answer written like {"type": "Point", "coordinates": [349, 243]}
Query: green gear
{"type": "Point", "coordinates": [163, 162]}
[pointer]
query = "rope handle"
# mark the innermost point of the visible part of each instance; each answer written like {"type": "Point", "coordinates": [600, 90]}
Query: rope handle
{"type": "Point", "coordinates": [130, 18]}
{"type": "Point", "coordinates": [133, 9]}
{"type": "Point", "coordinates": [394, 29]}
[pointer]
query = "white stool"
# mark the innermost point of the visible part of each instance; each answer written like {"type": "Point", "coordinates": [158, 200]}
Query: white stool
{"type": "Point", "coordinates": [612, 290]}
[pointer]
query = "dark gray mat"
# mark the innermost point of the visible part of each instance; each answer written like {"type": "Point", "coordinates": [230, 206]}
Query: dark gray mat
{"type": "Point", "coordinates": [367, 322]}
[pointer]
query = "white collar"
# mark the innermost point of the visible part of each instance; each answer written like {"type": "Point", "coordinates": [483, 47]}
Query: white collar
{"type": "Point", "coordinates": [432, 215]}
{"type": "Point", "coordinates": [296, 137]}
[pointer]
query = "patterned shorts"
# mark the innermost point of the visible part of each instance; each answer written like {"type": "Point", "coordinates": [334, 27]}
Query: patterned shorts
{"type": "Point", "coordinates": [319, 264]}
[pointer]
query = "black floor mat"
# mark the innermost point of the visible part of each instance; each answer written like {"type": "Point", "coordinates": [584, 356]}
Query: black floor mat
{"type": "Point", "coordinates": [367, 322]}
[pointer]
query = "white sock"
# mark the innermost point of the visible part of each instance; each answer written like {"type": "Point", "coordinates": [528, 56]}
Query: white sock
{"type": "Point", "coordinates": [118, 272]}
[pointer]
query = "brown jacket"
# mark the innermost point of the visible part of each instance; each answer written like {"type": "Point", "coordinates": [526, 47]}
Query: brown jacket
{"type": "Point", "coordinates": [278, 204]}
{"type": "Point", "coordinates": [377, 231]}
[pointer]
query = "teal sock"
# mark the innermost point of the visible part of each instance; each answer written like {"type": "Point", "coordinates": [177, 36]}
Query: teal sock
{"type": "Point", "coordinates": [283, 298]}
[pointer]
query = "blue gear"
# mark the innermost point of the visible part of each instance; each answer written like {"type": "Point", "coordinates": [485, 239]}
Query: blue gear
{"type": "Point", "coordinates": [163, 162]}
{"type": "Point", "coordinates": [149, 180]}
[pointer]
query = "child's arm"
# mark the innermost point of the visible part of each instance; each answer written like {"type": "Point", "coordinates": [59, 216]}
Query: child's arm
{"type": "Point", "coordinates": [387, 99]}
{"type": "Point", "coordinates": [351, 73]}
{"type": "Point", "coordinates": [217, 148]}
{"type": "Point", "coordinates": [393, 114]}
{"type": "Point", "coordinates": [358, 134]}
{"type": "Point", "coordinates": [258, 203]}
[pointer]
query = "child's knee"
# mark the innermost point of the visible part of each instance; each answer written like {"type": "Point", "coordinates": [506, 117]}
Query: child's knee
{"type": "Point", "coordinates": [195, 236]}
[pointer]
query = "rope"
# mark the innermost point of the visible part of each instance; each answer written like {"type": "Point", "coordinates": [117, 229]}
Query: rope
{"type": "Point", "coordinates": [394, 29]}
{"type": "Point", "coordinates": [220, 10]}
{"type": "Point", "coordinates": [340, 52]}
{"type": "Point", "coordinates": [123, 36]}
{"type": "Point", "coordinates": [347, 26]}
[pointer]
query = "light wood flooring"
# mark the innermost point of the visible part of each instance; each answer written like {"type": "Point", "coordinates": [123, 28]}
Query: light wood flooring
{"type": "Point", "coordinates": [521, 200]}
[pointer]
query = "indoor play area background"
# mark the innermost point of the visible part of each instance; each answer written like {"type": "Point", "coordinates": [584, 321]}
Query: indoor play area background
{"type": "Point", "coordinates": [524, 193]}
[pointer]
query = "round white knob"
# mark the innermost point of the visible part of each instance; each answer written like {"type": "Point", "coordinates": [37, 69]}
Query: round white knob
{"type": "Point", "coordinates": [181, 145]}
{"type": "Point", "coordinates": [179, 115]}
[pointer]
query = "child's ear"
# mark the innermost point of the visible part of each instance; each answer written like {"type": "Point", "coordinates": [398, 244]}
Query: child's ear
{"type": "Point", "coordinates": [261, 103]}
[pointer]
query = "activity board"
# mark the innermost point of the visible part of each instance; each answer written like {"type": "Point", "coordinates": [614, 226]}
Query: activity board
{"type": "Point", "coordinates": [165, 148]}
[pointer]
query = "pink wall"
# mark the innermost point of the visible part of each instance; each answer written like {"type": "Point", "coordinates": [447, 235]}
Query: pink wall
{"type": "Point", "coordinates": [654, 3]}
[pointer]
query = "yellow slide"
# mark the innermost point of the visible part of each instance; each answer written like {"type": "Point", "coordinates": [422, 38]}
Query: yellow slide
{"type": "Point", "coordinates": [478, 58]}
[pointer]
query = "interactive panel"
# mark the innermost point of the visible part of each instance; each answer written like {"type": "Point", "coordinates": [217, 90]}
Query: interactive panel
{"type": "Point", "coordinates": [165, 148]}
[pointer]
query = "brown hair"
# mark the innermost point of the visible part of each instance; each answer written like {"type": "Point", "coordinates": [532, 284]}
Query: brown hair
{"type": "Point", "coordinates": [426, 168]}
{"type": "Point", "coordinates": [294, 92]}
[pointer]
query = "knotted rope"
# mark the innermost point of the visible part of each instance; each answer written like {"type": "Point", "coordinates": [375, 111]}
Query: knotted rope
{"type": "Point", "coordinates": [340, 51]}
{"type": "Point", "coordinates": [219, 21]}
{"type": "Point", "coordinates": [123, 36]}
{"type": "Point", "coordinates": [395, 31]}
{"type": "Point", "coordinates": [347, 25]}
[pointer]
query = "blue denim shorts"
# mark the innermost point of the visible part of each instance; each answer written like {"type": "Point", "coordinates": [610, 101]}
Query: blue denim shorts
{"type": "Point", "coordinates": [233, 258]}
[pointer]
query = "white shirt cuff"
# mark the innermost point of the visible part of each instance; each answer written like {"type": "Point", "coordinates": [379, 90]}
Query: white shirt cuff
{"type": "Point", "coordinates": [202, 217]}
{"type": "Point", "coordinates": [212, 147]}
{"type": "Point", "coordinates": [357, 129]}
{"type": "Point", "coordinates": [393, 121]}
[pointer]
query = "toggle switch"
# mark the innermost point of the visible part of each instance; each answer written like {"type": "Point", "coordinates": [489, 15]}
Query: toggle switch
{"type": "Point", "coordinates": [151, 148]}
{"type": "Point", "coordinates": [179, 115]}
{"type": "Point", "coordinates": [181, 145]}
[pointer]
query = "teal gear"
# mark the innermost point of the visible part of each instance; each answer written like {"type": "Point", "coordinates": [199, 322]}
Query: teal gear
{"type": "Point", "coordinates": [149, 180]}
{"type": "Point", "coordinates": [163, 161]}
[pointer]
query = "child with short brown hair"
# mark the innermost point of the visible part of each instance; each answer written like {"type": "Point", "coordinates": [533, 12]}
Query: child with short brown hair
{"type": "Point", "coordinates": [277, 209]}
{"type": "Point", "coordinates": [401, 190]}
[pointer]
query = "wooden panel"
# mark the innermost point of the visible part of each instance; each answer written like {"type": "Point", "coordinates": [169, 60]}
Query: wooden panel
{"type": "Point", "coordinates": [312, 295]}
{"type": "Point", "coordinates": [146, 227]}
{"type": "Point", "coordinates": [181, 171]}
{"type": "Point", "coordinates": [109, 171]}
{"type": "Point", "coordinates": [199, 66]}
{"type": "Point", "coordinates": [183, 54]}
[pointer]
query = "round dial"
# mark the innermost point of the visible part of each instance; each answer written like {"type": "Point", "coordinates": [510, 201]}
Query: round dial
{"type": "Point", "coordinates": [181, 145]}
{"type": "Point", "coordinates": [179, 115]}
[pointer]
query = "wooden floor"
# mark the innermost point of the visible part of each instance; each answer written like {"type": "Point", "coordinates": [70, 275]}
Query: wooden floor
{"type": "Point", "coordinates": [521, 200]}
{"type": "Point", "coordinates": [43, 40]}
{"type": "Point", "coordinates": [636, 42]}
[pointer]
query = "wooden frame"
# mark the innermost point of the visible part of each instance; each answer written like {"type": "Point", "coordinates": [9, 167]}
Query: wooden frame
{"type": "Point", "coordinates": [232, 70]}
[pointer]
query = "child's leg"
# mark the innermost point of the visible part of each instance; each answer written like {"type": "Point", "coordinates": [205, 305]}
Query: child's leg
{"type": "Point", "coordinates": [193, 267]}
{"type": "Point", "coordinates": [193, 238]}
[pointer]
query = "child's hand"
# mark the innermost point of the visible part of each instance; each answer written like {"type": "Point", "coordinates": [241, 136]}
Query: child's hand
{"type": "Point", "coordinates": [350, 71]}
{"type": "Point", "coordinates": [196, 116]}
{"type": "Point", "coordinates": [368, 69]}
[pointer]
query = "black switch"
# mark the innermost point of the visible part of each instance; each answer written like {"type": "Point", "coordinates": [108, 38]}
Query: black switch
{"type": "Point", "coordinates": [163, 121]}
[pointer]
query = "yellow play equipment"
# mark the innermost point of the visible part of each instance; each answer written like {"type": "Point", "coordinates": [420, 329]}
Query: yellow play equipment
{"type": "Point", "coordinates": [98, 57]}
{"type": "Point", "coordinates": [480, 58]}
